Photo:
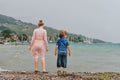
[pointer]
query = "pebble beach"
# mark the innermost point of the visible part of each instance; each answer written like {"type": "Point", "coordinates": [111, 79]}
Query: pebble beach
{"type": "Point", "coordinates": [29, 75]}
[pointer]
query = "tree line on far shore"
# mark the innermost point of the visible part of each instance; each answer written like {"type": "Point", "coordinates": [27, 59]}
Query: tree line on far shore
{"type": "Point", "coordinates": [12, 36]}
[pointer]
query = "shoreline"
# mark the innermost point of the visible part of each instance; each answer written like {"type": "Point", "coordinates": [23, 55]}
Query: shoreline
{"type": "Point", "coordinates": [31, 75]}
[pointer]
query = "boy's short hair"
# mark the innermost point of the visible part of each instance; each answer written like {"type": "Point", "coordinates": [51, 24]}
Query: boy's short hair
{"type": "Point", "coordinates": [61, 33]}
{"type": "Point", "coordinates": [65, 32]}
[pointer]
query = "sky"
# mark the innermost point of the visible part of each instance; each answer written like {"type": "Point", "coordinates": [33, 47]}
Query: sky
{"type": "Point", "coordinates": [92, 18]}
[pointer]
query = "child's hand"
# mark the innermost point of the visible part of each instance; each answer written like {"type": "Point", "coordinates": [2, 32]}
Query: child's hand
{"type": "Point", "coordinates": [69, 50]}
{"type": "Point", "coordinates": [55, 54]}
{"type": "Point", "coordinates": [47, 49]}
{"type": "Point", "coordinates": [29, 48]}
{"type": "Point", "coordinates": [69, 54]}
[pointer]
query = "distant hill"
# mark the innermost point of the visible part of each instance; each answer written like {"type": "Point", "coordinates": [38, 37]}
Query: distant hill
{"type": "Point", "coordinates": [20, 27]}
{"type": "Point", "coordinates": [3, 28]}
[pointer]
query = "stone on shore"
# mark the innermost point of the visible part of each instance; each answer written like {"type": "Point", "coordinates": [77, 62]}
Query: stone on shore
{"type": "Point", "coordinates": [27, 75]}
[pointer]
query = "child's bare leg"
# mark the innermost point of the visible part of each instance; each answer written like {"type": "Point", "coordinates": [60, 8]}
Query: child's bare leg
{"type": "Point", "coordinates": [58, 68]}
{"type": "Point", "coordinates": [64, 70]}
{"type": "Point", "coordinates": [43, 64]}
{"type": "Point", "coordinates": [36, 63]}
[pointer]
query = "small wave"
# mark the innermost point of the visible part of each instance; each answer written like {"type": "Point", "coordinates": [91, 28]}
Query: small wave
{"type": "Point", "coordinates": [3, 69]}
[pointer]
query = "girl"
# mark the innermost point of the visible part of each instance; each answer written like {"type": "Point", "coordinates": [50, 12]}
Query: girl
{"type": "Point", "coordinates": [39, 45]}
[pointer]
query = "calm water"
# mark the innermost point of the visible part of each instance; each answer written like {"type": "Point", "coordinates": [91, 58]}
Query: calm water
{"type": "Point", "coordinates": [85, 57]}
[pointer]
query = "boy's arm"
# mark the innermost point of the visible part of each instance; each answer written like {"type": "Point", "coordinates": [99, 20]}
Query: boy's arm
{"type": "Point", "coordinates": [69, 50]}
{"type": "Point", "coordinates": [56, 48]}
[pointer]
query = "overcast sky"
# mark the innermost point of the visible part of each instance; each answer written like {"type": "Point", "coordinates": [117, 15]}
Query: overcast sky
{"type": "Point", "coordinates": [92, 18]}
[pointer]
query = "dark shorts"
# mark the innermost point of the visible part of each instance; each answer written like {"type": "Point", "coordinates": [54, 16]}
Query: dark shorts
{"type": "Point", "coordinates": [62, 60]}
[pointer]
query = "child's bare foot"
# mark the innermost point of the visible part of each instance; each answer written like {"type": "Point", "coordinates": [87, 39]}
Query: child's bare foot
{"type": "Point", "coordinates": [44, 72]}
{"type": "Point", "coordinates": [64, 72]}
{"type": "Point", "coordinates": [59, 72]}
{"type": "Point", "coordinates": [36, 71]}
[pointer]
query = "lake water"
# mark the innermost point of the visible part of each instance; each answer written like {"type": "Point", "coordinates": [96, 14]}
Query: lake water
{"type": "Point", "coordinates": [84, 58]}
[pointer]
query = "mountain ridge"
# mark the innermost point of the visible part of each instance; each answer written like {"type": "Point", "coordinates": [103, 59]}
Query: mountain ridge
{"type": "Point", "coordinates": [21, 27]}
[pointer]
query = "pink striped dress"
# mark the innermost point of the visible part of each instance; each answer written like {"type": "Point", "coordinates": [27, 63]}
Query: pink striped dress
{"type": "Point", "coordinates": [39, 43]}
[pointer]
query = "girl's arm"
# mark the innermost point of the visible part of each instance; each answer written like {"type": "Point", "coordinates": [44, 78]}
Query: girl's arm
{"type": "Point", "coordinates": [33, 39]}
{"type": "Point", "coordinates": [69, 50]}
{"type": "Point", "coordinates": [56, 48]}
{"type": "Point", "coordinates": [45, 39]}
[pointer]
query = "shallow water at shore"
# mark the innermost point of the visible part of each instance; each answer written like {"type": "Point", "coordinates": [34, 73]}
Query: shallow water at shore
{"type": "Point", "coordinates": [84, 58]}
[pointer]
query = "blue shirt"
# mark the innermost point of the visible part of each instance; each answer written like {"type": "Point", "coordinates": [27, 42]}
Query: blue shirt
{"type": "Point", "coordinates": [62, 44]}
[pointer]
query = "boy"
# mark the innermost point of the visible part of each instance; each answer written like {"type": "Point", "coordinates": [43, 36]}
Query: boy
{"type": "Point", "coordinates": [62, 46]}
